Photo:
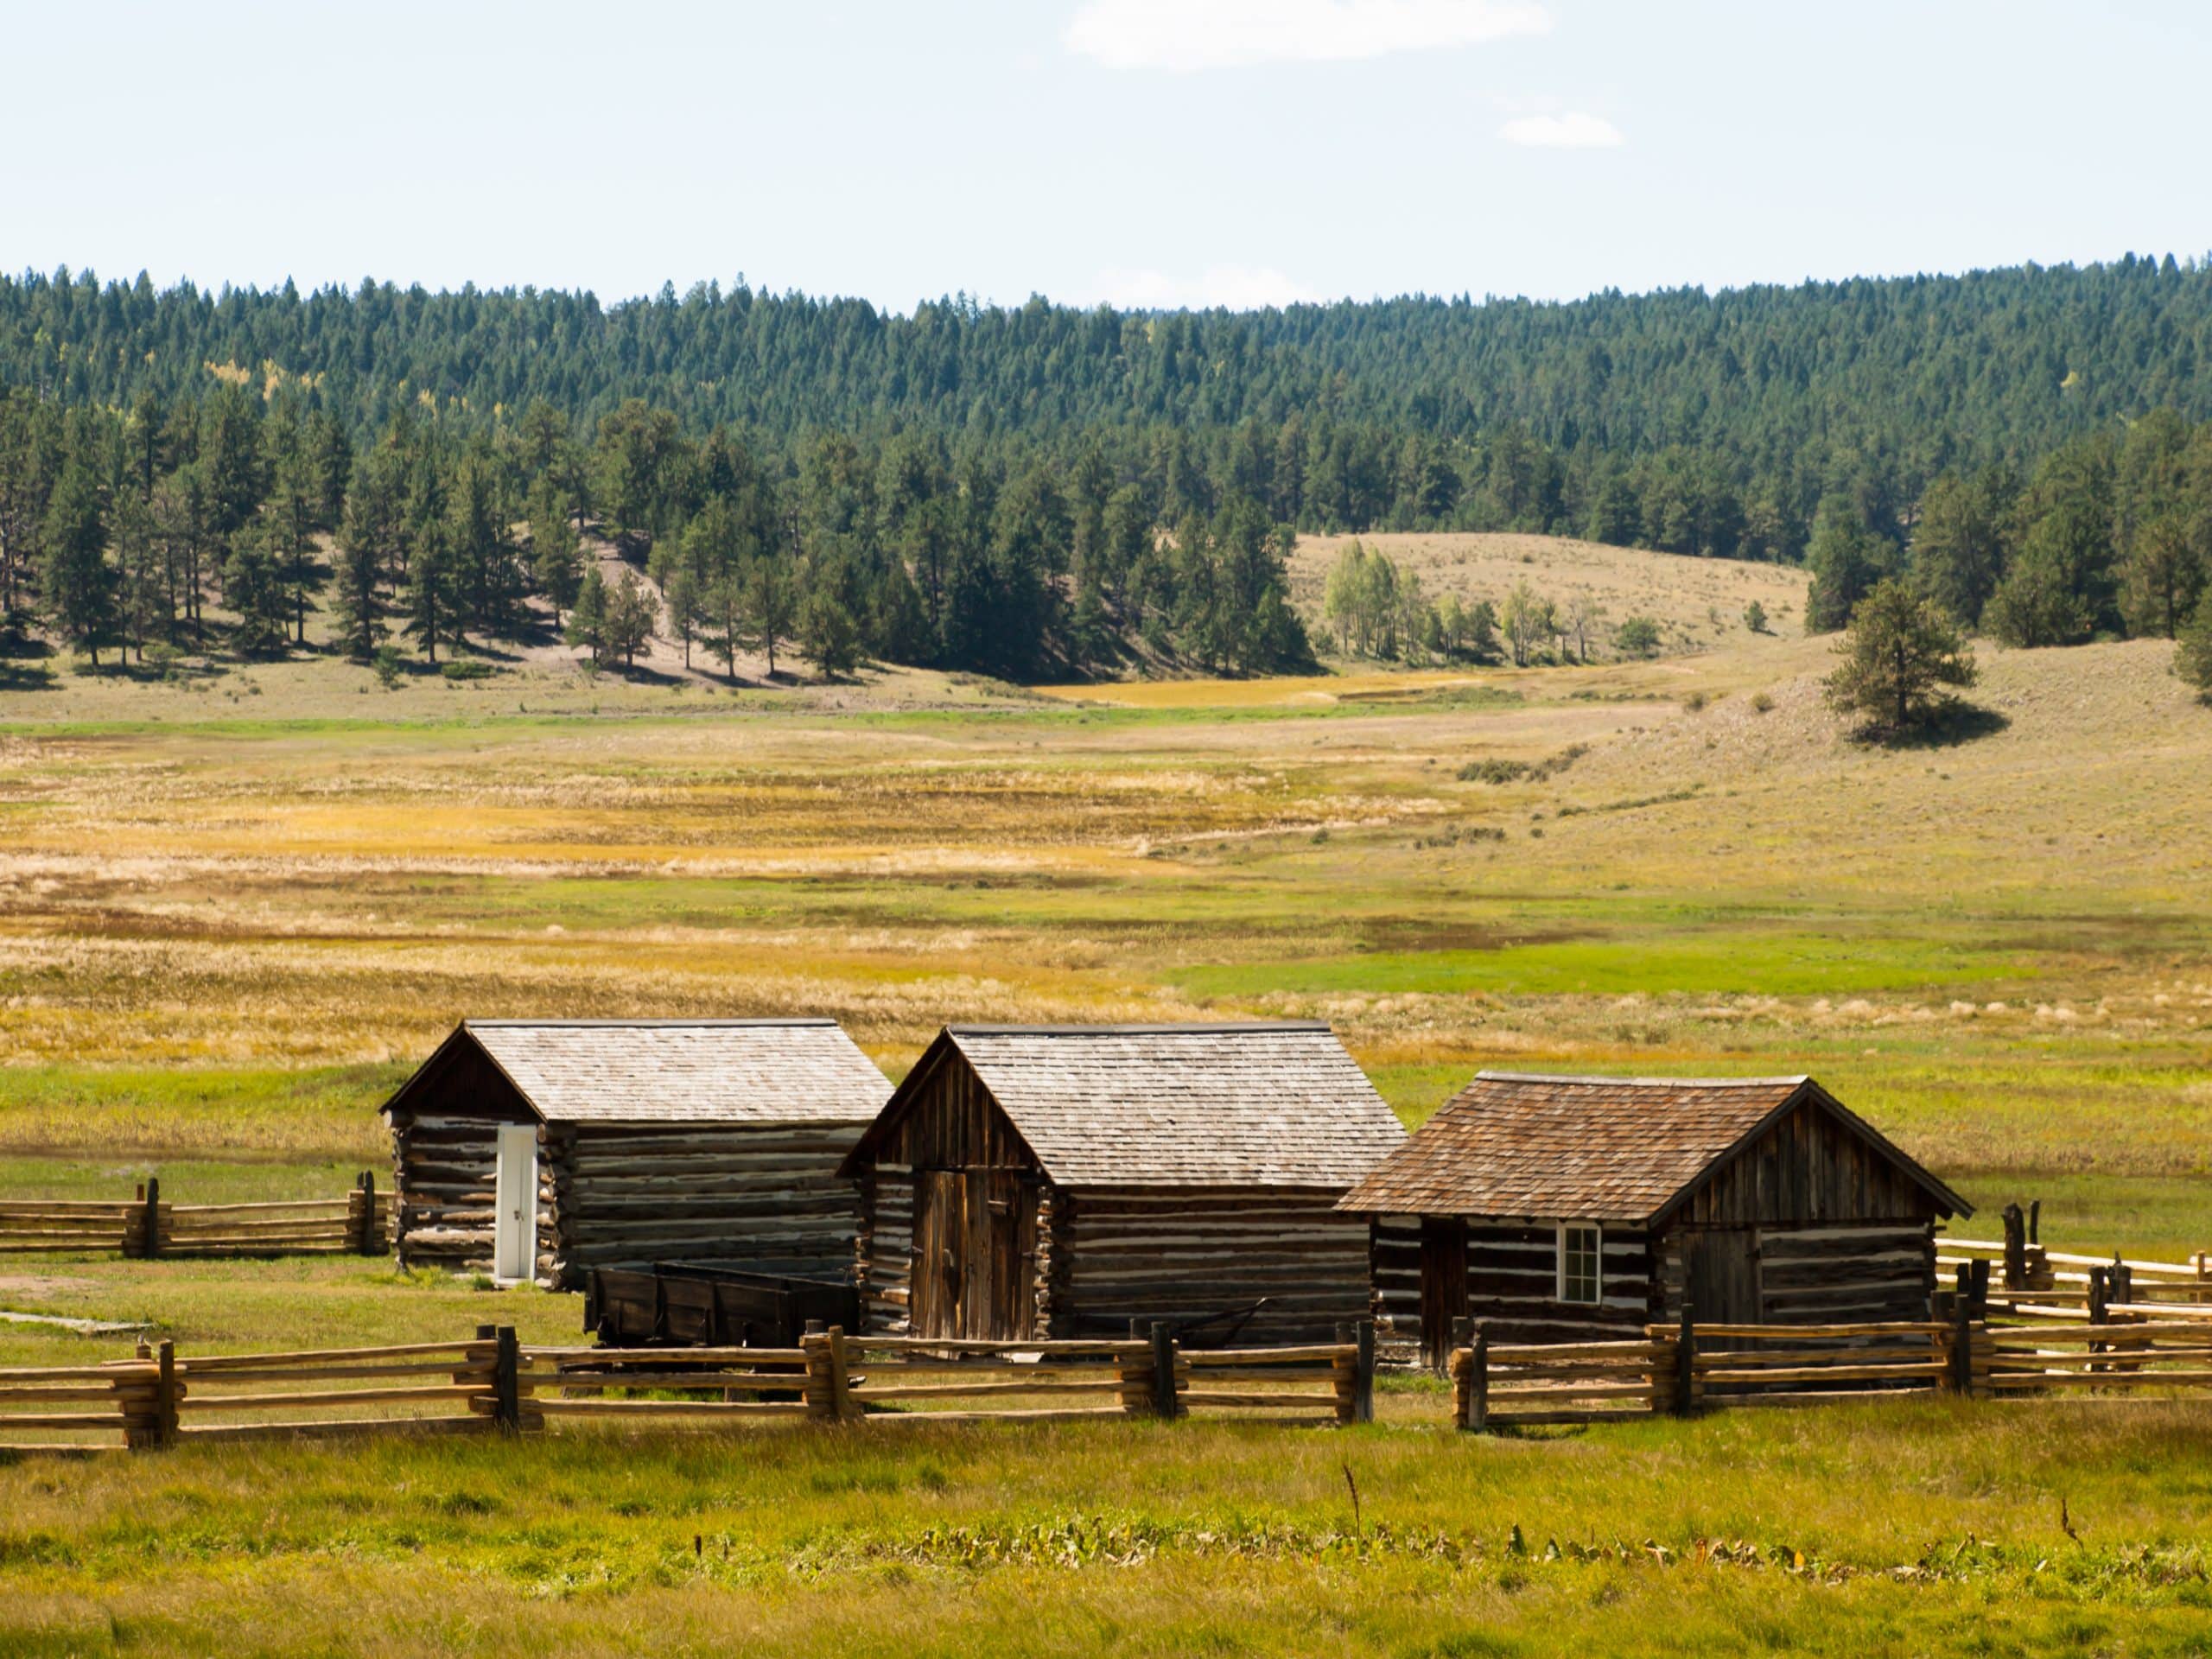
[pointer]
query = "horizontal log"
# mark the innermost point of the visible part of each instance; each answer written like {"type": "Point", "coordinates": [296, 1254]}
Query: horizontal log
{"type": "Point", "coordinates": [1836, 1397]}
{"type": "Point", "coordinates": [1505, 1396]}
{"type": "Point", "coordinates": [2107, 1379]}
{"type": "Point", "coordinates": [1332, 1351]}
{"type": "Point", "coordinates": [1107, 1383]}
{"type": "Point", "coordinates": [480, 1353]}
{"type": "Point", "coordinates": [608, 1358]}
{"type": "Point", "coordinates": [1047, 1414]}
{"type": "Point", "coordinates": [329, 1429]}
{"type": "Point", "coordinates": [49, 1394]}
{"type": "Point", "coordinates": [62, 1420]}
{"type": "Point", "coordinates": [1203, 1370]}
{"type": "Point", "coordinates": [1113, 1347]}
{"type": "Point", "coordinates": [1232, 1397]}
{"type": "Point", "coordinates": [669, 1379]}
{"type": "Point", "coordinates": [118, 1371]}
{"type": "Point", "coordinates": [1561, 1418]}
{"type": "Point", "coordinates": [2148, 1331]}
{"type": "Point", "coordinates": [560, 1408]}
{"type": "Point", "coordinates": [199, 1400]}
{"type": "Point", "coordinates": [1718, 1376]}
{"type": "Point", "coordinates": [1898, 1328]}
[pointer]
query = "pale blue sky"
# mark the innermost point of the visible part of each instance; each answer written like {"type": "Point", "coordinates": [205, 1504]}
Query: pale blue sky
{"type": "Point", "coordinates": [1145, 151]}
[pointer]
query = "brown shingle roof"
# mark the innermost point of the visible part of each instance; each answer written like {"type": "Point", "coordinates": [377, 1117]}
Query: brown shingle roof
{"type": "Point", "coordinates": [678, 1071]}
{"type": "Point", "coordinates": [1605, 1148]}
{"type": "Point", "coordinates": [1230, 1105]}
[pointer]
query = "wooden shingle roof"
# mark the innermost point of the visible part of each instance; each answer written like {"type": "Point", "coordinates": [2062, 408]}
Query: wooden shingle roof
{"type": "Point", "coordinates": [1272, 1104]}
{"type": "Point", "coordinates": [1625, 1149]}
{"type": "Point", "coordinates": [674, 1070]}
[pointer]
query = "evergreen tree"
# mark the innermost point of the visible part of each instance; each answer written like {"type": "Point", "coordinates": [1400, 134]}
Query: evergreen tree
{"type": "Point", "coordinates": [75, 579]}
{"type": "Point", "coordinates": [632, 617]}
{"type": "Point", "coordinates": [432, 594]}
{"type": "Point", "coordinates": [587, 629]}
{"type": "Point", "coordinates": [254, 587]}
{"type": "Point", "coordinates": [2193, 651]}
{"type": "Point", "coordinates": [556, 553]}
{"type": "Point", "coordinates": [1900, 655]}
{"type": "Point", "coordinates": [368, 539]}
{"type": "Point", "coordinates": [1847, 560]}
{"type": "Point", "coordinates": [2166, 568]}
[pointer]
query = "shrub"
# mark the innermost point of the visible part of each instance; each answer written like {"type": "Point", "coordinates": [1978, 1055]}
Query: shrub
{"type": "Point", "coordinates": [1637, 636]}
{"type": "Point", "coordinates": [1755, 617]}
{"type": "Point", "coordinates": [1761, 703]}
{"type": "Point", "coordinates": [387, 666]}
{"type": "Point", "coordinates": [1695, 702]}
{"type": "Point", "coordinates": [467, 668]}
{"type": "Point", "coordinates": [1493, 771]}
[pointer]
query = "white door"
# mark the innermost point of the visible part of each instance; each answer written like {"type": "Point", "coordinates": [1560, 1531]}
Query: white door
{"type": "Point", "coordinates": [514, 1236]}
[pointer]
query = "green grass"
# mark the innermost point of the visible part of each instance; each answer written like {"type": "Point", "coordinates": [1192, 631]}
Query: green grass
{"type": "Point", "coordinates": [1883, 1530]}
{"type": "Point", "coordinates": [1764, 962]}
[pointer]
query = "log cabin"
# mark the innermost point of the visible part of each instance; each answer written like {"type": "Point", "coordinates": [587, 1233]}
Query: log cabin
{"type": "Point", "coordinates": [540, 1149]}
{"type": "Point", "coordinates": [1559, 1209]}
{"type": "Point", "coordinates": [1050, 1181]}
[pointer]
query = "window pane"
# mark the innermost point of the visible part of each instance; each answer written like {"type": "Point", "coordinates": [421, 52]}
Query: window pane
{"type": "Point", "coordinates": [1578, 1264]}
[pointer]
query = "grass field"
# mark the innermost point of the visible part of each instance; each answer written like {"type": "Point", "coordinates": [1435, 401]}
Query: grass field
{"type": "Point", "coordinates": [224, 938]}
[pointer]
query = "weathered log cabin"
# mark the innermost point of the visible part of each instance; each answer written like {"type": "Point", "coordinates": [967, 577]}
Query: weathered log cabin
{"type": "Point", "coordinates": [1559, 1208]}
{"type": "Point", "coordinates": [1046, 1181]}
{"type": "Point", "coordinates": [540, 1149]}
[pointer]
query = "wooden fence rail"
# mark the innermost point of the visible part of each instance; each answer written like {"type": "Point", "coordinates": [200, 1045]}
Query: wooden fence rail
{"type": "Point", "coordinates": [357, 1224]}
{"type": "Point", "coordinates": [490, 1383]}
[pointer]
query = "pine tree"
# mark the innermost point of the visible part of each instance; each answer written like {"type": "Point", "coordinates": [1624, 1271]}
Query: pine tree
{"type": "Point", "coordinates": [1899, 657]}
{"type": "Point", "coordinates": [75, 579]}
{"type": "Point", "coordinates": [1847, 560]}
{"type": "Point", "coordinates": [432, 596]}
{"type": "Point", "coordinates": [2193, 651]}
{"type": "Point", "coordinates": [632, 616]}
{"type": "Point", "coordinates": [555, 554]}
{"type": "Point", "coordinates": [254, 588]}
{"type": "Point", "coordinates": [587, 628]}
{"type": "Point", "coordinates": [368, 537]}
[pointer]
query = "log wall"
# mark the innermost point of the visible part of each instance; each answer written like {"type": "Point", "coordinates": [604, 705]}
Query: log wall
{"type": "Point", "coordinates": [1180, 1253]}
{"type": "Point", "coordinates": [1393, 1276]}
{"type": "Point", "coordinates": [617, 1196]}
{"type": "Point", "coordinates": [1513, 1284]}
{"type": "Point", "coordinates": [442, 1168]}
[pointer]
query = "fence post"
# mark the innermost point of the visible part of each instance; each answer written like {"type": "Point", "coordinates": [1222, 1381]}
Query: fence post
{"type": "Point", "coordinates": [814, 1341]}
{"type": "Point", "coordinates": [1962, 1336]}
{"type": "Point", "coordinates": [841, 1390]}
{"type": "Point", "coordinates": [2099, 1300]}
{"type": "Point", "coordinates": [151, 1245]}
{"type": "Point", "coordinates": [2016, 1248]}
{"type": "Point", "coordinates": [1685, 1363]}
{"type": "Point", "coordinates": [367, 1238]}
{"type": "Point", "coordinates": [1978, 1287]}
{"type": "Point", "coordinates": [1475, 1414]}
{"type": "Point", "coordinates": [165, 1394]}
{"type": "Point", "coordinates": [2202, 1262]}
{"type": "Point", "coordinates": [1163, 1371]}
{"type": "Point", "coordinates": [1363, 1374]}
{"type": "Point", "coordinates": [506, 1381]}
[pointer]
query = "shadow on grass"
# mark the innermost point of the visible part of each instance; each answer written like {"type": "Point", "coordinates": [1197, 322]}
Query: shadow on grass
{"type": "Point", "coordinates": [1950, 726]}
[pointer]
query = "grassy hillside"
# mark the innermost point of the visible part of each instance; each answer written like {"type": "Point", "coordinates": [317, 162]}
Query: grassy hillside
{"type": "Point", "coordinates": [1997, 949]}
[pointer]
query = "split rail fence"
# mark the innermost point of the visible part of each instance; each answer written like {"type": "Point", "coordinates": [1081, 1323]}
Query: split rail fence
{"type": "Point", "coordinates": [357, 1224]}
{"type": "Point", "coordinates": [493, 1383]}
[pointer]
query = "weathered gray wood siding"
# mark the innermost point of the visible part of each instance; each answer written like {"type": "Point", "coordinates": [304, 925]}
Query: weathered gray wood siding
{"type": "Point", "coordinates": [630, 1195]}
{"type": "Point", "coordinates": [1181, 1254]}
{"type": "Point", "coordinates": [444, 1159]}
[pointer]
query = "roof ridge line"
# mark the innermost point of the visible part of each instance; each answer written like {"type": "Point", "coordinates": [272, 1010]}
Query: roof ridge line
{"type": "Point", "coordinates": [1644, 1083]}
{"type": "Point", "coordinates": [1222, 1027]}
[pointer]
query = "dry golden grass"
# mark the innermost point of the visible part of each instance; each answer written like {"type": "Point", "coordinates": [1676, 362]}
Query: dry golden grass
{"type": "Point", "coordinates": [1699, 603]}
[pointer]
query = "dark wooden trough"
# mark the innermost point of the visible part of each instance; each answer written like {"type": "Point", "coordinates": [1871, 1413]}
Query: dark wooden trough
{"type": "Point", "coordinates": [716, 1303]}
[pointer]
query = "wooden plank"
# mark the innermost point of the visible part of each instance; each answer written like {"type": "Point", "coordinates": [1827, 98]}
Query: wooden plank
{"type": "Point", "coordinates": [1108, 1384]}
{"type": "Point", "coordinates": [328, 1429]}
{"type": "Point", "coordinates": [1841, 1397]}
{"type": "Point", "coordinates": [136, 1370]}
{"type": "Point", "coordinates": [1330, 1351]}
{"type": "Point", "coordinates": [18, 1393]}
{"type": "Point", "coordinates": [1071, 1414]}
{"type": "Point", "coordinates": [668, 1407]}
{"type": "Point", "coordinates": [1511, 1396]}
{"type": "Point", "coordinates": [599, 1359]}
{"type": "Point", "coordinates": [479, 1352]}
{"type": "Point", "coordinates": [669, 1379]}
{"type": "Point", "coordinates": [62, 1420]}
{"type": "Point", "coordinates": [199, 1402]}
{"type": "Point", "coordinates": [1713, 1370]}
{"type": "Point", "coordinates": [1230, 1397]}
{"type": "Point", "coordinates": [2114, 1379]}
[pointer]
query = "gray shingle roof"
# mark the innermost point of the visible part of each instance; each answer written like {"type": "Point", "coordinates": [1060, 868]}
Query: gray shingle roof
{"type": "Point", "coordinates": [1605, 1148]}
{"type": "Point", "coordinates": [684, 1071]}
{"type": "Point", "coordinates": [1241, 1105]}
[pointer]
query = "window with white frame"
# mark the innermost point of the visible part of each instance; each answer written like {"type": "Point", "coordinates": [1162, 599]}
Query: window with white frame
{"type": "Point", "coordinates": [1578, 1247]}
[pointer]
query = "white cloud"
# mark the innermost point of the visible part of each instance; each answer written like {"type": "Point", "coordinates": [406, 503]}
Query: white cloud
{"type": "Point", "coordinates": [1238, 288]}
{"type": "Point", "coordinates": [1183, 35]}
{"type": "Point", "coordinates": [1572, 131]}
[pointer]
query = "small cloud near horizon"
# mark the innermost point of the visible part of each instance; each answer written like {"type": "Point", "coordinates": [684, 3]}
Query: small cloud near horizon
{"type": "Point", "coordinates": [1185, 35]}
{"type": "Point", "coordinates": [1236, 288]}
{"type": "Point", "coordinates": [1575, 131]}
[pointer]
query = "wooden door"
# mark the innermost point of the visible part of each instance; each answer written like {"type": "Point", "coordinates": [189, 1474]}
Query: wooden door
{"type": "Point", "coordinates": [1721, 1272]}
{"type": "Point", "coordinates": [934, 1294]}
{"type": "Point", "coordinates": [1443, 1285]}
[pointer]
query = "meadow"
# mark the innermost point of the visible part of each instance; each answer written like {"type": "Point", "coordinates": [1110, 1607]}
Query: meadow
{"type": "Point", "coordinates": [224, 938]}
